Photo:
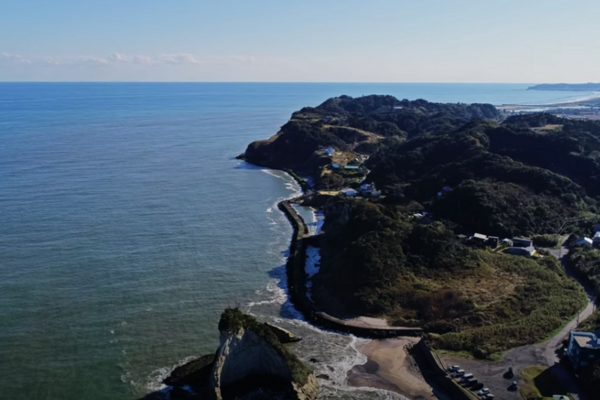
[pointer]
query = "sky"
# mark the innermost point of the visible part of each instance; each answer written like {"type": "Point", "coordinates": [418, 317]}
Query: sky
{"type": "Point", "coordinates": [524, 41]}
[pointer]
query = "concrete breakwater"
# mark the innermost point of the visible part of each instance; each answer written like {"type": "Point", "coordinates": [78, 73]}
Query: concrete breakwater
{"type": "Point", "coordinates": [296, 282]}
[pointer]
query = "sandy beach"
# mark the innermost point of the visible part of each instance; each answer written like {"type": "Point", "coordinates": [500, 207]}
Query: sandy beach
{"type": "Point", "coordinates": [389, 367]}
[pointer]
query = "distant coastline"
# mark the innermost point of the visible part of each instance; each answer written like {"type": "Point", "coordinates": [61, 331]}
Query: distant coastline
{"type": "Point", "coordinates": [567, 87]}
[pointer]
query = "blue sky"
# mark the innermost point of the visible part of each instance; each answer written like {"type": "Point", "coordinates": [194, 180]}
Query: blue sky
{"type": "Point", "coordinates": [309, 40]}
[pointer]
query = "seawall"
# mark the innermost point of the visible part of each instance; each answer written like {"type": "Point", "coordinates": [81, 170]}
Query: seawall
{"type": "Point", "coordinates": [296, 280]}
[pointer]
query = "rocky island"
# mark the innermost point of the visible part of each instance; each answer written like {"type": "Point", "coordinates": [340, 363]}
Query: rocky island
{"type": "Point", "coordinates": [252, 360]}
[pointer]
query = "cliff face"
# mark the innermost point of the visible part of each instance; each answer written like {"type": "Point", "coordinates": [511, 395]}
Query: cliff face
{"type": "Point", "coordinates": [251, 356]}
{"type": "Point", "coordinates": [246, 357]}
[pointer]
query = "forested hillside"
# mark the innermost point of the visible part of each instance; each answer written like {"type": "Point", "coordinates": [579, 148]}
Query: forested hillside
{"type": "Point", "coordinates": [472, 171]}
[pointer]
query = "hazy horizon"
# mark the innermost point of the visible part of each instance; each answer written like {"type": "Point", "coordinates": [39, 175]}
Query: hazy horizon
{"type": "Point", "coordinates": [271, 41]}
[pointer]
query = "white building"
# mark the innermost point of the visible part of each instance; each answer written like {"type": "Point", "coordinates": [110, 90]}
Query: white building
{"type": "Point", "coordinates": [585, 241]}
{"type": "Point", "coordinates": [521, 251]}
{"type": "Point", "coordinates": [348, 192]}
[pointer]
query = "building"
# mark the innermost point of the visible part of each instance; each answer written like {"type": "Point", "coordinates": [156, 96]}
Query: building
{"type": "Point", "coordinates": [479, 237]}
{"type": "Point", "coordinates": [522, 242]}
{"type": "Point", "coordinates": [584, 241]}
{"type": "Point", "coordinates": [507, 242]}
{"type": "Point", "coordinates": [335, 166]}
{"type": "Point", "coordinates": [596, 238]}
{"type": "Point", "coordinates": [348, 192]}
{"type": "Point", "coordinates": [369, 190]}
{"type": "Point", "coordinates": [583, 348]}
{"type": "Point", "coordinates": [492, 241]}
{"type": "Point", "coordinates": [352, 167]}
{"type": "Point", "coordinates": [521, 251]}
{"type": "Point", "coordinates": [330, 151]}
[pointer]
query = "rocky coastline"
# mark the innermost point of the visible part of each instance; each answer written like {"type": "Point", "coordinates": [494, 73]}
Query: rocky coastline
{"type": "Point", "coordinates": [296, 274]}
{"type": "Point", "coordinates": [251, 359]}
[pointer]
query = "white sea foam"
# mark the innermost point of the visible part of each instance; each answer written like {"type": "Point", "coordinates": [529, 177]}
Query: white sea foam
{"type": "Point", "coordinates": [154, 381]}
{"type": "Point", "coordinates": [276, 295]}
{"type": "Point", "coordinates": [313, 257]}
{"type": "Point", "coordinates": [290, 183]}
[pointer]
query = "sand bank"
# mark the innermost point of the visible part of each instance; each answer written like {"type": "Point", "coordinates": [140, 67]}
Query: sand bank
{"type": "Point", "coordinates": [389, 367]}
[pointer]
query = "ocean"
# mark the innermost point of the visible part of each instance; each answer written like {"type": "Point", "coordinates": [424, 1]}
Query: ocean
{"type": "Point", "coordinates": [127, 225]}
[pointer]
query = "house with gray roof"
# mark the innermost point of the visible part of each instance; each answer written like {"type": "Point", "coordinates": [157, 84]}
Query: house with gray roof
{"type": "Point", "coordinates": [583, 349]}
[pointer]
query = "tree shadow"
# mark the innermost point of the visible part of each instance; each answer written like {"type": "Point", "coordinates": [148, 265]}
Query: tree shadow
{"type": "Point", "coordinates": [548, 383]}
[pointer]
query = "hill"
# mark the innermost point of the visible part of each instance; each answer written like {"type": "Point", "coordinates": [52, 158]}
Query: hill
{"type": "Point", "coordinates": [376, 260]}
{"type": "Point", "coordinates": [472, 171]}
{"type": "Point", "coordinates": [355, 126]}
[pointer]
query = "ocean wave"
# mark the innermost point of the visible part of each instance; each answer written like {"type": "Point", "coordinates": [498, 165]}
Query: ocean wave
{"type": "Point", "coordinates": [276, 295]}
{"type": "Point", "coordinates": [154, 381]}
{"type": "Point", "coordinates": [290, 183]}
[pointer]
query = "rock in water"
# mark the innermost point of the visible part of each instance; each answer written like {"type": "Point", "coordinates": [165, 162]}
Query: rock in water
{"type": "Point", "coordinates": [251, 358]}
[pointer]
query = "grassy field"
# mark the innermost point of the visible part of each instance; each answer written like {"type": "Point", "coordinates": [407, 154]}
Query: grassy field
{"type": "Point", "coordinates": [517, 302]}
{"type": "Point", "coordinates": [540, 382]}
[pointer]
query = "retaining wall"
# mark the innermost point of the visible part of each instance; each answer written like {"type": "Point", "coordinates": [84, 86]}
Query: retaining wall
{"type": "Point", "coordinates": [296, 279]}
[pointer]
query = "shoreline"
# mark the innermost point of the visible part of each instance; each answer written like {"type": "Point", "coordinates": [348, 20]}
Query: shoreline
{"type": "Point", "coordinates": [594, 95]}
{"type": "Point", "coordinates": [297, 278]}
{"type": "Point", "coordinates": [390, 367]}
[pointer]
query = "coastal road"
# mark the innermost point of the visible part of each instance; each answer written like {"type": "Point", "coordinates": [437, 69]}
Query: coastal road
{"type": "Point", "coordinates": [553, 346]}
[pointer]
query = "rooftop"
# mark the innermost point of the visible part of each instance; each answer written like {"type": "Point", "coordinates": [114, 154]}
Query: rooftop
{"type": "Point", "coordinates": [586, 339]}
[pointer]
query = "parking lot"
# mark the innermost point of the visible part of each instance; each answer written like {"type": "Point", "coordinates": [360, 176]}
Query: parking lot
{"type": "Point", "coordinates": [492, 374]}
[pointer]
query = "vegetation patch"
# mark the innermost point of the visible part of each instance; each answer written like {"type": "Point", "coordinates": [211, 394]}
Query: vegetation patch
{"type": "Point", "coordinates": [540, 383]}
{"type": "Point", "coordinates": [545, 240]}
{"type": "Point", "coordinates": [378, 261]}
{"type": "Point", "coordinates": [585, 262]}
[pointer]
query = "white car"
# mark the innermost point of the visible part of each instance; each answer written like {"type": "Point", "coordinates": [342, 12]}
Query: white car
{"type": "Point", "coordinates": [454, 368]}
{"type": "Point", "coordinates": [488, 396]}
{"type": "Point", "coordinates": [458, 372]}
{"type": "Point", "coordinates": [483, 392]}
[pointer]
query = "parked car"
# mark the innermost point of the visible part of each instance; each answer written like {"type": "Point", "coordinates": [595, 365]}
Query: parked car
{"type": "Point", "coordinates": [514, 385]}
{"type": "Point", "coordinates": [458, 373]}
{"type": "Point", "coordinates": [465, 377]}
{"type": "Point", "coordinates": [483, 392]}
{"type": "Point", "coordinates": [453, 368]}
{"type": "Point", "coordinates": [471, 381]}
{"type": "Point", "coordinates": [488, 396]}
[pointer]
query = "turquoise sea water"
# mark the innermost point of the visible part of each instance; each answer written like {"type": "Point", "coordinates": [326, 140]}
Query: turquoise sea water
{"type": "Point", "coordinates": [126, 226]}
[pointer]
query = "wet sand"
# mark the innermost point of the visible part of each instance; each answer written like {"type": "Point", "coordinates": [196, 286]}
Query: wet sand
{"type": "Point", "coordinates": [389, 367]}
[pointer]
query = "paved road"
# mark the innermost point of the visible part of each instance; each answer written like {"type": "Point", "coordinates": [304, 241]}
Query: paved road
{"type": "Point", "coordinates": [538, 354]}
{"type": "Point", "coordinates": [553, 346]}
